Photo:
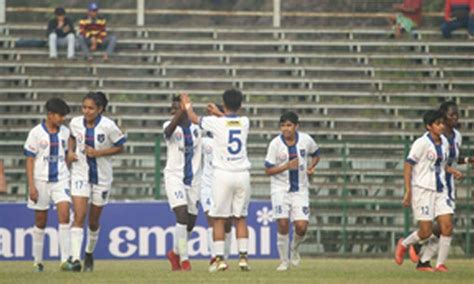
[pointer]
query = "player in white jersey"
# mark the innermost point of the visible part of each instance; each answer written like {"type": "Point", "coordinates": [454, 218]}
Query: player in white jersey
{"type": "Point", "coordinates": [182, 180]}
{"type": "Point", "coordinates": [231, 183]}
{"type": "Point", "coordinates": [426, 190]}
{"type": "Point", "coordinates": [95, 138]}
{"type": "Point", "coordinates": [48, 179]}
{"type": "Point", "coordinates": [450, 112]}
{"type": "Point", "coordinates": [206, 197]}
{"type": "Point", "coordinates": [291, 157]}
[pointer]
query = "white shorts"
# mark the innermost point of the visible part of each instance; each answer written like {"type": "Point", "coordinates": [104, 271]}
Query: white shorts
{"type": "Point", "coordinates": [180, 194]}
{"type": "Point", "coordinates": [428, 204]}
{"type": "Point", "coordinates": [48, 192]}
{"type": "Point", "coordinates": [97, 193]}
{"type": "Point", "coordinates": [231, 193]}
{"type": "Point", "coordinates": [206, 197]}
{"type": "Point", "coordinates": [291, 205]}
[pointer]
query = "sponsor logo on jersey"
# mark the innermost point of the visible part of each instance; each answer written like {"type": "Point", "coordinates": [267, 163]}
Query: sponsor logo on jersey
{"type": "Point", "coordinates": [233, 123]}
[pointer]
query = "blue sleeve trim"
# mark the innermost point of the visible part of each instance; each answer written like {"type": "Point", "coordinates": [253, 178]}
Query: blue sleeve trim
{"type": "Point", "coordinates": [268, 165]}
{"type": "Point", "coordinates": [200, 122]}
{"type": "Point", "coordinates": [411, 161]}
{"type": "Point", "coordinates": [29, 153]}
{"type": "Point", "coordinates": [316, 153]}
{"type": "Point", "coordinates": [120, 142]}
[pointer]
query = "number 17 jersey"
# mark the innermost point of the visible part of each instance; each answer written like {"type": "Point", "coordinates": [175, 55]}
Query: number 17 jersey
{"type": "Point", "coordinates": [230, 141]}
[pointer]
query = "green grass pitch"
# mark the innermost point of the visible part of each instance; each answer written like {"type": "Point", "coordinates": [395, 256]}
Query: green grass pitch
{"type": "Point", "coordinates": [320, 270]}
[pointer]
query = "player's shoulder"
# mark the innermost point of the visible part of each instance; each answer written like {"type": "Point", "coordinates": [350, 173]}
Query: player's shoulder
{"type": "Point", "coordinates": [277, 140]}
{"type": "Point", "coordinates": [305, 136]}
{"type": "Point", "coordinates": [37, 129]}
{"type": "Point", "coordinates": [64, 129]}
{"type": "Point", "coordinates": [422, 141]}
{"type": "Point", "coordinates": [77, 121]}
{"type": "Point", "coordinates": [106, 120]}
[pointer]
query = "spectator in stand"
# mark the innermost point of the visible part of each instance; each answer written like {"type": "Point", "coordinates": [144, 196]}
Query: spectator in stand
{"type": "Point", "coordinates": [458, 14]}
{"type": "Point", "coordinates": [93, 33]}
{"type": "Point", "coordinates": [60, 33]}
{"type": "Point", "coordinates": [408, 17]}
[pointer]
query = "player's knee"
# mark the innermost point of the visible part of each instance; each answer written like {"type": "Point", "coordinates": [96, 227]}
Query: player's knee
{"type": "Point", "coordinates": [63, 218]}
{"type": "Point", "coordinates": [300, 230]}
{"type": "Point", "coordinates": [40, 223]}
{"type": "Point", "coordinates": [446, 229]}
{"type": "Point", "coordinates": [79, 218]}
{"type": "Point", "coordinates": [181, 213]}
{"type": "Point", "coordinates": [424, 233]}
{"type": "Point", "coordinates": [283, 227]}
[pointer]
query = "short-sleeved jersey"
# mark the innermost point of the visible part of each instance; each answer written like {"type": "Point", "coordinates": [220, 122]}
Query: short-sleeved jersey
{"type": "Point", "coordinates": [183, 157]}
{"type": "Point", "coordinates": [230, 141]}
{"type": "Point", "coordinates": [279, 153]}
{"type": "Point", "coordinates": [49, 151]}
{"type": "Point", "coordinates": [429, 160]}
{"type": "Point", "coordinates": [207, 169]}
{"type": "Point", "coordinates": [103, 135]}
{"type": "Point", "coordinates": [455, 143]}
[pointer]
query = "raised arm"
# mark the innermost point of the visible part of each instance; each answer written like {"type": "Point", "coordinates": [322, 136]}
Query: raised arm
{"type": "Point", "coordinates": [178, 115]}
{"type": "Point", "coordinates": [186, 104]}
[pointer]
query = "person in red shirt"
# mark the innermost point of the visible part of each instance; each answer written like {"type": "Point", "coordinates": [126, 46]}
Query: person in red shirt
{"type": "Point", "coordinates": [93, 33]}
{"type": "Point", "coordinates": [458, 14]}
{"type": "Point", "coordinates": [408, 17]}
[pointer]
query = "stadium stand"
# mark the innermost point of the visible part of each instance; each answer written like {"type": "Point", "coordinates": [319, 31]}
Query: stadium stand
{"type": "Point", "coordinates": [358, 92]}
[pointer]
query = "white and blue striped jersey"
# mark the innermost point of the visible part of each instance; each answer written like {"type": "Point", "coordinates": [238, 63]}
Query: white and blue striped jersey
{"type": "Point", "coordinates": [49, 151]}
{"type": "Point", "coordinates": [207, 168]}
{"type": "Point", "coordinates": [230, 141]}
{"type": "Point", "coordinates": [429, 161]}
{"type": "Point", "coordinates": [455, 144]}
{"type": "Point", "coordinates": [183, 157]}
{"type": "Point", "coordinates": [279, 153]}
{"type": "Point", "coordinates": [103, 135]}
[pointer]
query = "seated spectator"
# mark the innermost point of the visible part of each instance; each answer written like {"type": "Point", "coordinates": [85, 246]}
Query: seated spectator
{"type": "Point", "coordinates": [61, 33]}
{"type": "Point", "coordinates": [408, 18]}
{"type": "Point", "coordinates": [458, 14]}
{"type": "Point", "coordinates": [93, 33]}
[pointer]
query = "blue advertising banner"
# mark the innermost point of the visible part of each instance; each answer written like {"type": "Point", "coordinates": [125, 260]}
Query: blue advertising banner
{"type": "Point", "coordinates": [139, 230]}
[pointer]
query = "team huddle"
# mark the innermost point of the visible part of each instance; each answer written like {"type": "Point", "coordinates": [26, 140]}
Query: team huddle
{"type": "Point", "coordinates": [207, 164]}
{"type": "Point", "coordinates": [222, 184]}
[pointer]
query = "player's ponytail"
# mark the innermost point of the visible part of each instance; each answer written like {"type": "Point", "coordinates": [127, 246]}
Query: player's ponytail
{"type": "Point", "coordinates": [101, 96]}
